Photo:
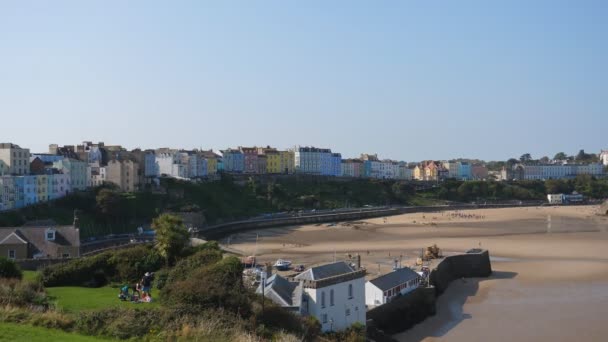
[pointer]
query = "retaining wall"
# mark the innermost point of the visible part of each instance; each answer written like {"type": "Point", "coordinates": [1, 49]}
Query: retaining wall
{"type": "Point", "coordinates": [468, 265]}
{"type": "Point", "coordinates": [221, 230]}
{"type": "Point", "coordinates": [406, 311]}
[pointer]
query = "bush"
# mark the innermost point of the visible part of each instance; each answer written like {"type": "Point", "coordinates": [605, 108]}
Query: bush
{"type": "Point", "coordinates": [215, 286]}
{"type": "Point", "coordinates": [185, 267]}
{"type": "Point", "coordinates": [130, 264]}
{"type": "Point", "coordinates": [9, 269]}
{"type": "Point", "coordinates": [354, 333]}
{"type": "Point", "coordinates": [121, 323]}
{"type": "Point", "coordinates": [52, 320]}
{"type": "Point", "coordinates": [14, 292]}
{"type": "Point", "coordinates": [90, 271]}
{"type": "Point", "coordinates": [125, 265]}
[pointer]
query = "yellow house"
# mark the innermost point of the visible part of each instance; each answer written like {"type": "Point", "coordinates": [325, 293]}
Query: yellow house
{"type": "Point", "coordinates": [287, 161]}
{"type": "Point", "coordinates": [42, 187]}
{"type": "Point", "coordinates": [211, 166]}
{"type": "Point", "coordinates": [273, 162]}
{"type": "Point", "coordinates": [418, 173]}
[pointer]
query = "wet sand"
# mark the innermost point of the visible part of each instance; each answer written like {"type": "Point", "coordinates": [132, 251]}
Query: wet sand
{"type": "Point", "coordinates": [551, 268]}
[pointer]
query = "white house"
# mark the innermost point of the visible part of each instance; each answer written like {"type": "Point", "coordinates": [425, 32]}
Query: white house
{"type": "Point", "coordinates": [333, 293]}
{"type": "Point", "coordinates": [555, 198]}
{"type": "Point", "coordinates": [604, 157]}
{"type": "Point", "coordinates": [383, 289]}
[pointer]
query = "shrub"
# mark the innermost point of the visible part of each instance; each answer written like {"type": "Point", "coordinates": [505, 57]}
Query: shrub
{"type": "Point", "coordinates": [130, 264]}
{"type": "Point", "coordinates": [84, 271]}
{"type": "Point", "coordinates": [277, 318]}
{"type": "Point", "coordinates": [354, 333]}
{"type": "Point", "coordinates": [185, 267]}
{"type": "Point", "coordinates": [14, 292]}
{"type": "Point", "coordinates": [9, 269]}
{"type": "Point", "coordinates": [127, 264]}
{"type": "Point", "coordinates": [119, 323]}
{"type": "Point", "coordinates": [215, 286]}
{"type": "Point", "coordinates": [52, 320]}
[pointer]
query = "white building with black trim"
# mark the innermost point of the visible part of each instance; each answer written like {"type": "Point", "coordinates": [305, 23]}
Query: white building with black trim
{"type": "Point", "coordinates": [383, 289]}
{"type": "Point", "coordinates": [333, 293]}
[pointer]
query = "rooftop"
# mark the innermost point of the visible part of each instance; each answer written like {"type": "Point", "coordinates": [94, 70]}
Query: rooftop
{"type": "Point", "coordinates": [325, 271]}
{"type": "Point", "coordinates": [394, 279]}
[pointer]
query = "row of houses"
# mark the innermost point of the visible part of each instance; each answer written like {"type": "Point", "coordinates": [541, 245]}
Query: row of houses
{"type": "Point", "coordinates": [552, 171]}
{"type": "Point", "coordinates": [27, 180]}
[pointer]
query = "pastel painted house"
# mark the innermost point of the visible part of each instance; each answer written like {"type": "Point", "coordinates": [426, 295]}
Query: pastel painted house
{"type": "Point", "coordinates": [233, 160]}
{"type": "Point", "coordinates": [76, 170]}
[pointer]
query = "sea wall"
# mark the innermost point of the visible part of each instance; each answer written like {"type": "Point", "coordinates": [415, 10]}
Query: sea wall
{"type": "Point", "coordinates": [406, 311]}
{"type": "Point", "coordinates": [221, 230]}
{"type": "Point", "coordinates": [473, 264]}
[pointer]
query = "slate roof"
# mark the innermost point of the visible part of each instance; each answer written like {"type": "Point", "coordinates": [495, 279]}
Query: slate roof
{"type": "Point", "coordinates": [394, 279]}
{"type": "Point", "coordinates": [325, 271]}
{"type": "Point", "coordinates": [12, 238]}
{"type": "Point", "coordinates": [281, 291]}
{"type": "Point", "coordinates": [35, 236]}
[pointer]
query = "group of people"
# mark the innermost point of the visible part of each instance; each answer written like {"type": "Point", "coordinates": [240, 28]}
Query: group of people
{"type": "Point", "coordinates": [457, 214]}
{"type": "Point", "coordinates": [139, 292]}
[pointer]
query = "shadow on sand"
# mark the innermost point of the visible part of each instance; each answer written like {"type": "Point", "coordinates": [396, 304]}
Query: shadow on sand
{"type": "Point", "coordinates": [450, 305]}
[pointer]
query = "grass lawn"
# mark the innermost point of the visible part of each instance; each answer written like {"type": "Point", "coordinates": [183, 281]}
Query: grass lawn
{"type": "Point", "coordinates": [29, 275]}
{"type": "Point", "coordinates": [17, 332]}
{"type": "Point", "coordinates": [74, 299]}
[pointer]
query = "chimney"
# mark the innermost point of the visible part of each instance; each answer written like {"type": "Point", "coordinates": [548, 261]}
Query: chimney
{"type": "Point", "coordinates": [268, 270]}
{"type": "Point", "coordinates": [358, 261]}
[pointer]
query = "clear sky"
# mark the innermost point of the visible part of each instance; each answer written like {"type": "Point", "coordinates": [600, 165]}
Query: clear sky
{"type": "Point", "coordinates": [409, 80]}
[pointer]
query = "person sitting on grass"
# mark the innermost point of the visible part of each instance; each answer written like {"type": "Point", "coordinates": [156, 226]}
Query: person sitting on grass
{"type": "Point", "coordinates": [124, 293]}
{"type": "Point", "coordinates": [135, 297]}
{"type": "Point", "coordinates": [146, 297]}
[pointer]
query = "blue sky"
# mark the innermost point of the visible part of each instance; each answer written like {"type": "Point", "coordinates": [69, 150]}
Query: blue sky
{"type": "Point", "coordinates": [409, 80]}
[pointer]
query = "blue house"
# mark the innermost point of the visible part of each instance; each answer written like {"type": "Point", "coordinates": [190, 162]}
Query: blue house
{"type": "Point", "coordinates": [464, 171]}
{"type": "Point", "coordinates": [233, 161]}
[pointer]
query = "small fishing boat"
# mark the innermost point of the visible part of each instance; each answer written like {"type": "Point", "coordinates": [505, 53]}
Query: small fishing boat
{"type": "Point", "coordinates": [282, 265]}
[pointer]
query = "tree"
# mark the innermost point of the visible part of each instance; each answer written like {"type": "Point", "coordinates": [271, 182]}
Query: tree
{"type": "Point", "coordinates": [560, 156]}
{"type": "Point", "coordinates": [171, 236]}
{"type": "Point", "coordinates": [512, 162]}
{"type": "Point", "coordinates": [9, 269]}
{"type": "Point", "coordinates": [110, 204]}
{"type": "Point", "coordinates": [526, 157]}
{"type": "Point", "coordinates": [544, 160]}
{"type": "Point", "coordinates": [581, 156]}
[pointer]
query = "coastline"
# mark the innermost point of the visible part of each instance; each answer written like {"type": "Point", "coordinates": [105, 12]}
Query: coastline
{"type": "Point", "coordinates": [550, 263]}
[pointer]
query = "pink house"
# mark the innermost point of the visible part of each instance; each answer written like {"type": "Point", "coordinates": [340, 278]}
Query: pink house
{"type": "Point", "coordinates": [251, 159]}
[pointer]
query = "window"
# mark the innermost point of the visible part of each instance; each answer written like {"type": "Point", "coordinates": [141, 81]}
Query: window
{"type": "Point", "coordinates": [347, 312]}
{"type": "Point", "coordinates": [331, 297]}
{"type": "Point", "coordinates": [324, 318]}
{"type": "Point", "coordinates": [65, 255]}
{"type": "Point", "coordinates": [11, 254]}
{"type": "Point", "coordinates": [322, 299]}
{"type": "Point", "coordinates": [50, 234]}
{"type": "Point", "coordinates": [350, 291]}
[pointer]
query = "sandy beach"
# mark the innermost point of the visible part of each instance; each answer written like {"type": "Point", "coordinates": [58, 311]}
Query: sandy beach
{"type": "Point", "coordinates": [551, 267]}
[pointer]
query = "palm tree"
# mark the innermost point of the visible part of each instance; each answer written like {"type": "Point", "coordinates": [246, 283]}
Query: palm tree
{"type": "Point", "coordinates": [171, 236]}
